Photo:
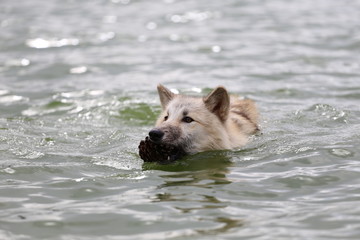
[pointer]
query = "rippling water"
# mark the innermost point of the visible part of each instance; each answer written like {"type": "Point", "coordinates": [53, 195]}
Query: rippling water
{"type": "Point", "coordinates": [77, 94]}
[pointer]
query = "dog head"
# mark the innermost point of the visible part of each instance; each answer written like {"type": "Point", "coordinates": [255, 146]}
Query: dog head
{"type": "Point", "coordinates": [190, 123]}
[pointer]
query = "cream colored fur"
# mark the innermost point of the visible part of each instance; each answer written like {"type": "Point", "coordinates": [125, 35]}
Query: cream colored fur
{"type": "Point", "coordinates": [219, 121]}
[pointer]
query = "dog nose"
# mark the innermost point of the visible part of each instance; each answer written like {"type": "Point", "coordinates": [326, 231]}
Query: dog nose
{"type": "Point", "coordinates": [156, 135]}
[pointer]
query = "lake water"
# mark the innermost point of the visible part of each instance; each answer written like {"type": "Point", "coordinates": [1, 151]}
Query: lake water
{"type": "Point", "coordinates": [78, 93]}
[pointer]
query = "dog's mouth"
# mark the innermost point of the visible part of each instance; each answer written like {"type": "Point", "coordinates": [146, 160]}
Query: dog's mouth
{"type": "Point", "coordinates": [151, 151]}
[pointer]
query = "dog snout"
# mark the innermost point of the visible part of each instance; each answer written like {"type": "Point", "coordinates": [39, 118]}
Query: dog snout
{"type": "Point", "coordinates": [156, 135]}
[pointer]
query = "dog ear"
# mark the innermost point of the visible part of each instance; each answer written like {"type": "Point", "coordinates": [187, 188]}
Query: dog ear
{"type": "Point", "coordinates": [218, 102]}
{"type": "Point", "coordinates": [165, 95]}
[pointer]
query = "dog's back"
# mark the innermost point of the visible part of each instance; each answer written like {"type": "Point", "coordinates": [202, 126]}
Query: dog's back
{"type": "Point", "coordinates": [244, 114]}
{"type": "Point", "coordinates": [242, 121]}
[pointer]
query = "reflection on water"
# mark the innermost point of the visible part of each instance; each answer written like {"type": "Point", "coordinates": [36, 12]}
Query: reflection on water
{"type": "Point", "coordinates": [43, 43]}
{"type": "Point", "coordinates": [200, 171]}
{"type": "Point", "coordinates": [227, 225]}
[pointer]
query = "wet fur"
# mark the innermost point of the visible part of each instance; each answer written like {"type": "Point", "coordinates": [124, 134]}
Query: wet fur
{"type": "Point", "coordinates": [220, 121]}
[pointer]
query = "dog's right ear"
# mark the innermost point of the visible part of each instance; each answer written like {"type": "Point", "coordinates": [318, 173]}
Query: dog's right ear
{"type": "Point", "coordinates": [165, 95]}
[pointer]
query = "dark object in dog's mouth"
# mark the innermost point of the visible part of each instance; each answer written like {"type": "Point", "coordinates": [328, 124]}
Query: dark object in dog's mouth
{"type": "Point", "coordinates": [161, 153]}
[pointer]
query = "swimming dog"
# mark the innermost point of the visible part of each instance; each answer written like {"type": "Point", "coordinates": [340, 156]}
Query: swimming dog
{"type": "Point", "coordinates": [215, 122]}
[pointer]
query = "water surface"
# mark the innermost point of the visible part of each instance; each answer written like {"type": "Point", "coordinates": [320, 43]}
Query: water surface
{"type": "Point", "coordinates": [78, 92]}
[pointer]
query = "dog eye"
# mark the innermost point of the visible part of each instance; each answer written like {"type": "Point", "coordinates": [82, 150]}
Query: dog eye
{"type": "Point", "coordinates": [166, 118]}
{"type": "Point", "coordinates": [187, 119]}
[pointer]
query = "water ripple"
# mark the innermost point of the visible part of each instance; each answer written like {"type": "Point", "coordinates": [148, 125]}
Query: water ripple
{"type": "Point", "coordinates": [49, 43]}
{"type": "Point", "coordinates": [78, 93]}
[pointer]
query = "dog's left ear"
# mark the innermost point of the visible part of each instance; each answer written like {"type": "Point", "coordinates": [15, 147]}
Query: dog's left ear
{"type": "Point", "coordinates": [165, 95]}
{"type": "Point", "coordinates": [218, 102]}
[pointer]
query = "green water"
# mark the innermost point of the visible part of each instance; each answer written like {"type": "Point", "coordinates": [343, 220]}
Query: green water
{"type": "Point", "coordinates": [78, 93]}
